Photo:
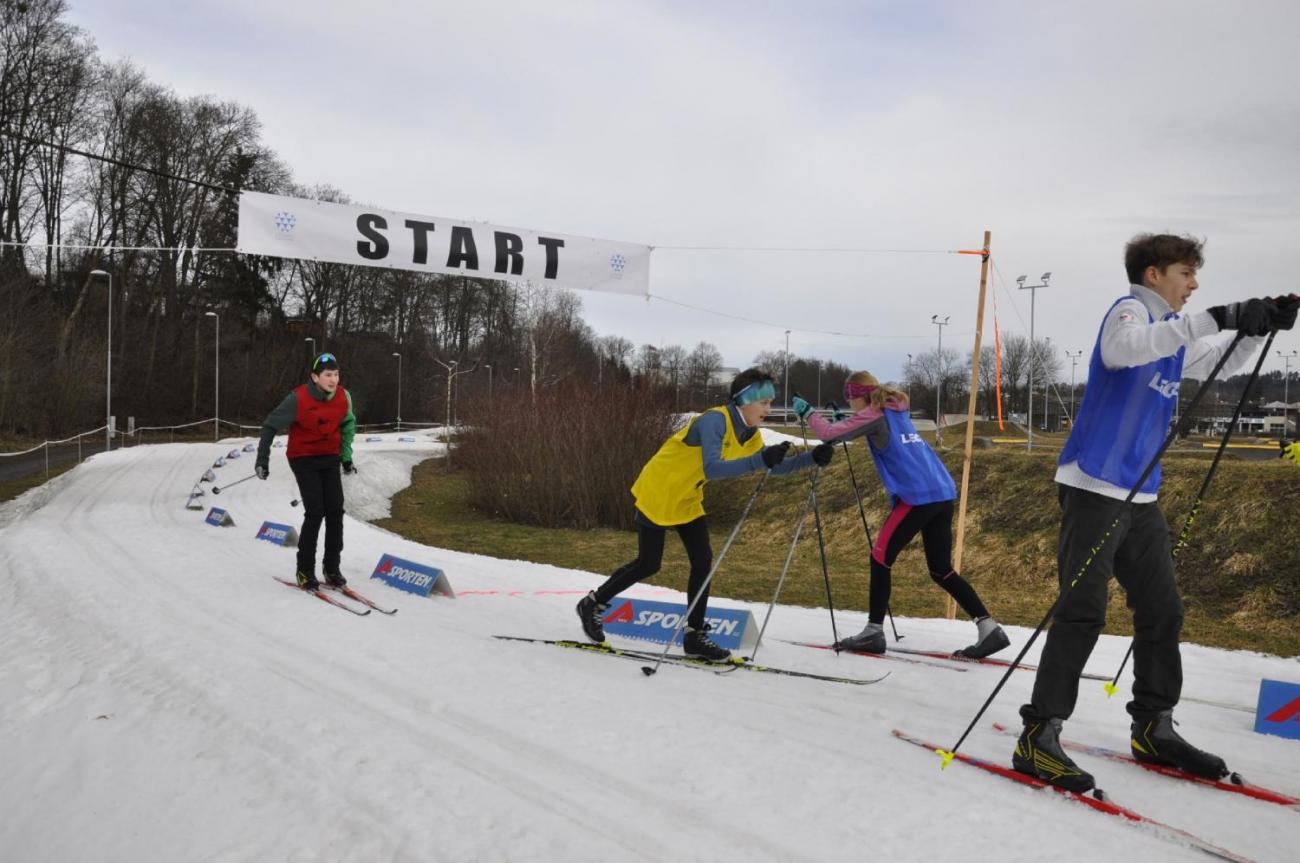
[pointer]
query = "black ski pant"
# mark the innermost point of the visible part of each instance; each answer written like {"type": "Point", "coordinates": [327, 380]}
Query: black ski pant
{"type": "Point", "coordinates": [650, 555]}
{"type": "Point", "coordinates": [1136, 550]}
{"type": "Point", "coordinates": [934, 522]}
{"type": "Point", "coordinates": [320, 488]}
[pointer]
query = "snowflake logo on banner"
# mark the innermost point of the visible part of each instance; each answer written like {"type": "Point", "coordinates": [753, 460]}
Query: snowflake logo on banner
{"type": "Point", "coordinates": [616, 265]}
{"type": "Point", "coordinates": [285, 221]}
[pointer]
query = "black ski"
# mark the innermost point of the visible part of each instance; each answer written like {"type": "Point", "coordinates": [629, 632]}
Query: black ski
{"type": "Point", "coordinates": [319, 594]}
{"type": "Point", "coordinates": [690, 661]}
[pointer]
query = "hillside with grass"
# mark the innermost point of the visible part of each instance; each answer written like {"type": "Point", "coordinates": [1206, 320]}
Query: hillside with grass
{"type": "Point", "coordinates": [1240, 570]}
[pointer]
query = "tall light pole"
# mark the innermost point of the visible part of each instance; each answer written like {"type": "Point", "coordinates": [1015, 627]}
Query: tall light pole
{"type": "Point", "coordinates": [1033, 349]}
{"type": "Point", "coordinates": [311, 358]}
{"type": "Point", "coordinates": [1286, 391]}
{"type": "Point", "coordinates": [1074, 361]}
{"type": "Point", "coordinates": [399, 389]}
{"type": "Point", "coordinates": [489, 368]}
{"type": "Point", "coordinates": [907, 373]}
{"type": "Point", "coordinates": [108, 380]}
{"type": "Point", "coordinates": [938, 389]}
{"type": "Point", "coordinates": [786, 394]}
{"type": "Point", "coordinates": [216, 378]}
{"type": "Point", "coordinates": [452, 372]}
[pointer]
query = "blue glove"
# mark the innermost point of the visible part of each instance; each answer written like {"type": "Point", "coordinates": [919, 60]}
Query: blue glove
{"type": "Point", "coordinates": [801, 408]}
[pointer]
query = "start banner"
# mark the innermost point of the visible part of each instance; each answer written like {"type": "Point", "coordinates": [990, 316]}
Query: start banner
{"type": "Point", "coordinates": [365, 236]}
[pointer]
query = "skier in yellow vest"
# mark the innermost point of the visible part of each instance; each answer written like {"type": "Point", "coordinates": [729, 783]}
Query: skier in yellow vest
{"type": "Point", "coordinates": [721, 443]}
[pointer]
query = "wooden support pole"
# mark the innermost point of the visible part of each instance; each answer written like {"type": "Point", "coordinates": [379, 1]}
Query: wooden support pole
{"type": "Point", "coordinates": [970, 418]}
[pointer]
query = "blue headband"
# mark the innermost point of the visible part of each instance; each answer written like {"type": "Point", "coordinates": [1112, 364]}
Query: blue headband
{"type": "Point", "coordinates": [755, 392]}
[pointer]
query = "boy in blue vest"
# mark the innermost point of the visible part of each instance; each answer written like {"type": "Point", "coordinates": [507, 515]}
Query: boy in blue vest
{"type": "Point", "coordinates": [321, 425]}
{"type": "Point", "coordinates": [1144, 347]}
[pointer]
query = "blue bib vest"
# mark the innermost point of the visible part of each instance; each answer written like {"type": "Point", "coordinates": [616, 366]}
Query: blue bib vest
{"type": "Point", "coordinates": [1124, 417]}
{"type": "Point", "coordinates": [909, 469]}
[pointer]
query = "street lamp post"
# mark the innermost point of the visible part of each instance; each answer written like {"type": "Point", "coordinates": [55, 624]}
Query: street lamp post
{"type": "Point", "coordinates": [312, 356]}
{"type": "Point", "coordinates": [489, 368]}
{"type": "Point", "coordinates": [108, 380]}
{"type": "Point", "coordinates": [1286, 390]}
{"type": "Point", "coordinates": [786, 394]}
{"type": "Point", "coordinates": [452, 372]}
{"type": "Point", "coordinates": [1033, 350]}
{"type": "Point", "coordinates": [399, 389]}
{"type": "Point", "coordinates": [216, 378]}
{"type": "Point", "coordinates": [907, 373]}
{"type": "Point", "coordinates": [1074, 361]}
{"type": "Point", "coordinates": [938, 389]}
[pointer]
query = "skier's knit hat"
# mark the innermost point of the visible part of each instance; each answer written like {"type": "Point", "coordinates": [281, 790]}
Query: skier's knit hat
{"type": "Point", "coordinates": [323, 362]}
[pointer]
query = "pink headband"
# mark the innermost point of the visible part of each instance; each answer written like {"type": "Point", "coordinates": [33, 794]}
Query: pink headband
{"type": "Point", "coordinates": [857, 391]}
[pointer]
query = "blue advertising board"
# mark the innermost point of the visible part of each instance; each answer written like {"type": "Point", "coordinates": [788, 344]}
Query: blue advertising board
{"type": "Point", "coordinates": [218, 517]}
{"type": "Point", "coordinates": [657, 621]}
{"type": "Point", "coordinates": [277, 534]}
{"type": "Point", "coordinates": [412, 577]}
{"type": "Point", "coordinates": [1279, 709]}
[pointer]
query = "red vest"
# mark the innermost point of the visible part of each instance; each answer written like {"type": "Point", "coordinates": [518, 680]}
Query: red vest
{"type": "Point", "coordinates": [315, 430]}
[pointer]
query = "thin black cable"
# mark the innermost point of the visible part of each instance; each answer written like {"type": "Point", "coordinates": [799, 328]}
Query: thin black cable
{"type": "Point", "coordinates": [118, 162]}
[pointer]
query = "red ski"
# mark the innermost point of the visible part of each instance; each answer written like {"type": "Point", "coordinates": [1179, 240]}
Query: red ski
{"type": "Point", "coordinates": [353, 595]}
{"type": "Point", "coordinates": [1100, 802]}
{"type": "Point", "coordinates": [1234, 785]}
{"type": "Point", "coordinates": [319, 594]}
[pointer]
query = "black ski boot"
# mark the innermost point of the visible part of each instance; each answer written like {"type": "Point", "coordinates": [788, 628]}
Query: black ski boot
{"type": "Point", "coordinates": [869, 640]}
{"type": "Point", "coordinates": [696, 643]}
{"type": "Point", "coordinates": [1156, 742]}
{"type": "Point", "coordinates": [592, 614]}
{"type": "Point", "coordinates": [990, 637]}
{"type": "Point", "coordinates": [307, 580]}
{"type": "Point", "coordinates": [335, 579]}
{"type": "Point", "coordinates": [1039, 754]}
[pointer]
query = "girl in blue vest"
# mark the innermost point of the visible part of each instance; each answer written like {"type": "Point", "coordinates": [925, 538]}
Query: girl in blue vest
{"type": "Point", "coordinates": [721, 443]}
{"type": "Point", "coordinates": [1145, 345]}
{"type": "Point", "coordinates": [318, 416]}
{"type": "Point", "coordinates": [922, 494]}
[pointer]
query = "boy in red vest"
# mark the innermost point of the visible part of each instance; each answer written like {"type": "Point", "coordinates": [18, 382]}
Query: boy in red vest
{"type": "Point", "coordinates": [321, 425]}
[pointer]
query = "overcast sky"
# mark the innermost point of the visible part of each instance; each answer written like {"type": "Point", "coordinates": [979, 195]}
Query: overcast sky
{"type": "Point", "coordinates": [1064, 128]}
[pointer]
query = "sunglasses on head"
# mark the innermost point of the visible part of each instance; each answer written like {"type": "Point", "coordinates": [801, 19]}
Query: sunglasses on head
{"type": "Point", "coordinates": [323, 358]}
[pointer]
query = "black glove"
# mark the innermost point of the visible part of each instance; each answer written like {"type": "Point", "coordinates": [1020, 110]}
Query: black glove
{"type": "Point", "coordinates": [1284, 317]}
{"type": "Point", "coordinates": [261, 470]}
{"type": "Point", "coordinates": [822, 454]}
{"type": "Point", "coordinates": [774, 455]}
{"type": "Point", "coordinates": [348, 467]}
{"type": "Point", "coordinates": [835, 411]}
{"type": "Point", "coordinates": [1250, 318]}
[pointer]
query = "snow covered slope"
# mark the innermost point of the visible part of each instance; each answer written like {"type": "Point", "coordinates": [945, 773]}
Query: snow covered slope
{"type": "Point", "coordinates": [163, 699]}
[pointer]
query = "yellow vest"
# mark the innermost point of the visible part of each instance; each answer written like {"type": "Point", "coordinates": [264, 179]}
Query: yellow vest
{"type": "Point", "coordinates": [670, 489]}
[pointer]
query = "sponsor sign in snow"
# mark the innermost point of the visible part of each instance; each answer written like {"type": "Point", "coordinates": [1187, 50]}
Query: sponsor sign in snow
{"type": "Point", "coordinates": [277, 534]}
{"type": "Point", "coordinates": [405, 439]}
{"type": "Point", "coordinates": [220, 462]}
{"type": "Point", "coordinates": [218, 517]}
{"type": "Point", "coordinates": [250, 447]}
{"type": "Point", "coordinates": [234, 453]}
{"type": "Point", "coordinates": [412, 577]}
{"type": "Point", "coordinates": [208, 476]}
{"type": "Point", "coordinates": [657, 621]}
{"type": "Point", "coordinates": [374, 438]}
{"type": "Point", "coordinates": [1279, 709]}
{"type": "Point", "coordinates": [277, 444]}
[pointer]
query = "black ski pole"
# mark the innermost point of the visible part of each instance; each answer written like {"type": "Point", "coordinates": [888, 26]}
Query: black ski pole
{"type": "Point", "coordinates": [1113, 687]}
{"type": "Point", "coordinates": [871, 543]}
{"type": "Point", "coordinates": [216, 490]}
{"type": "Point", "coordinates": [948, 754]}
{"type": "Point", "coordinates": [821, 544]}
{"type": "Point", "coordinates": [717, 561]}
